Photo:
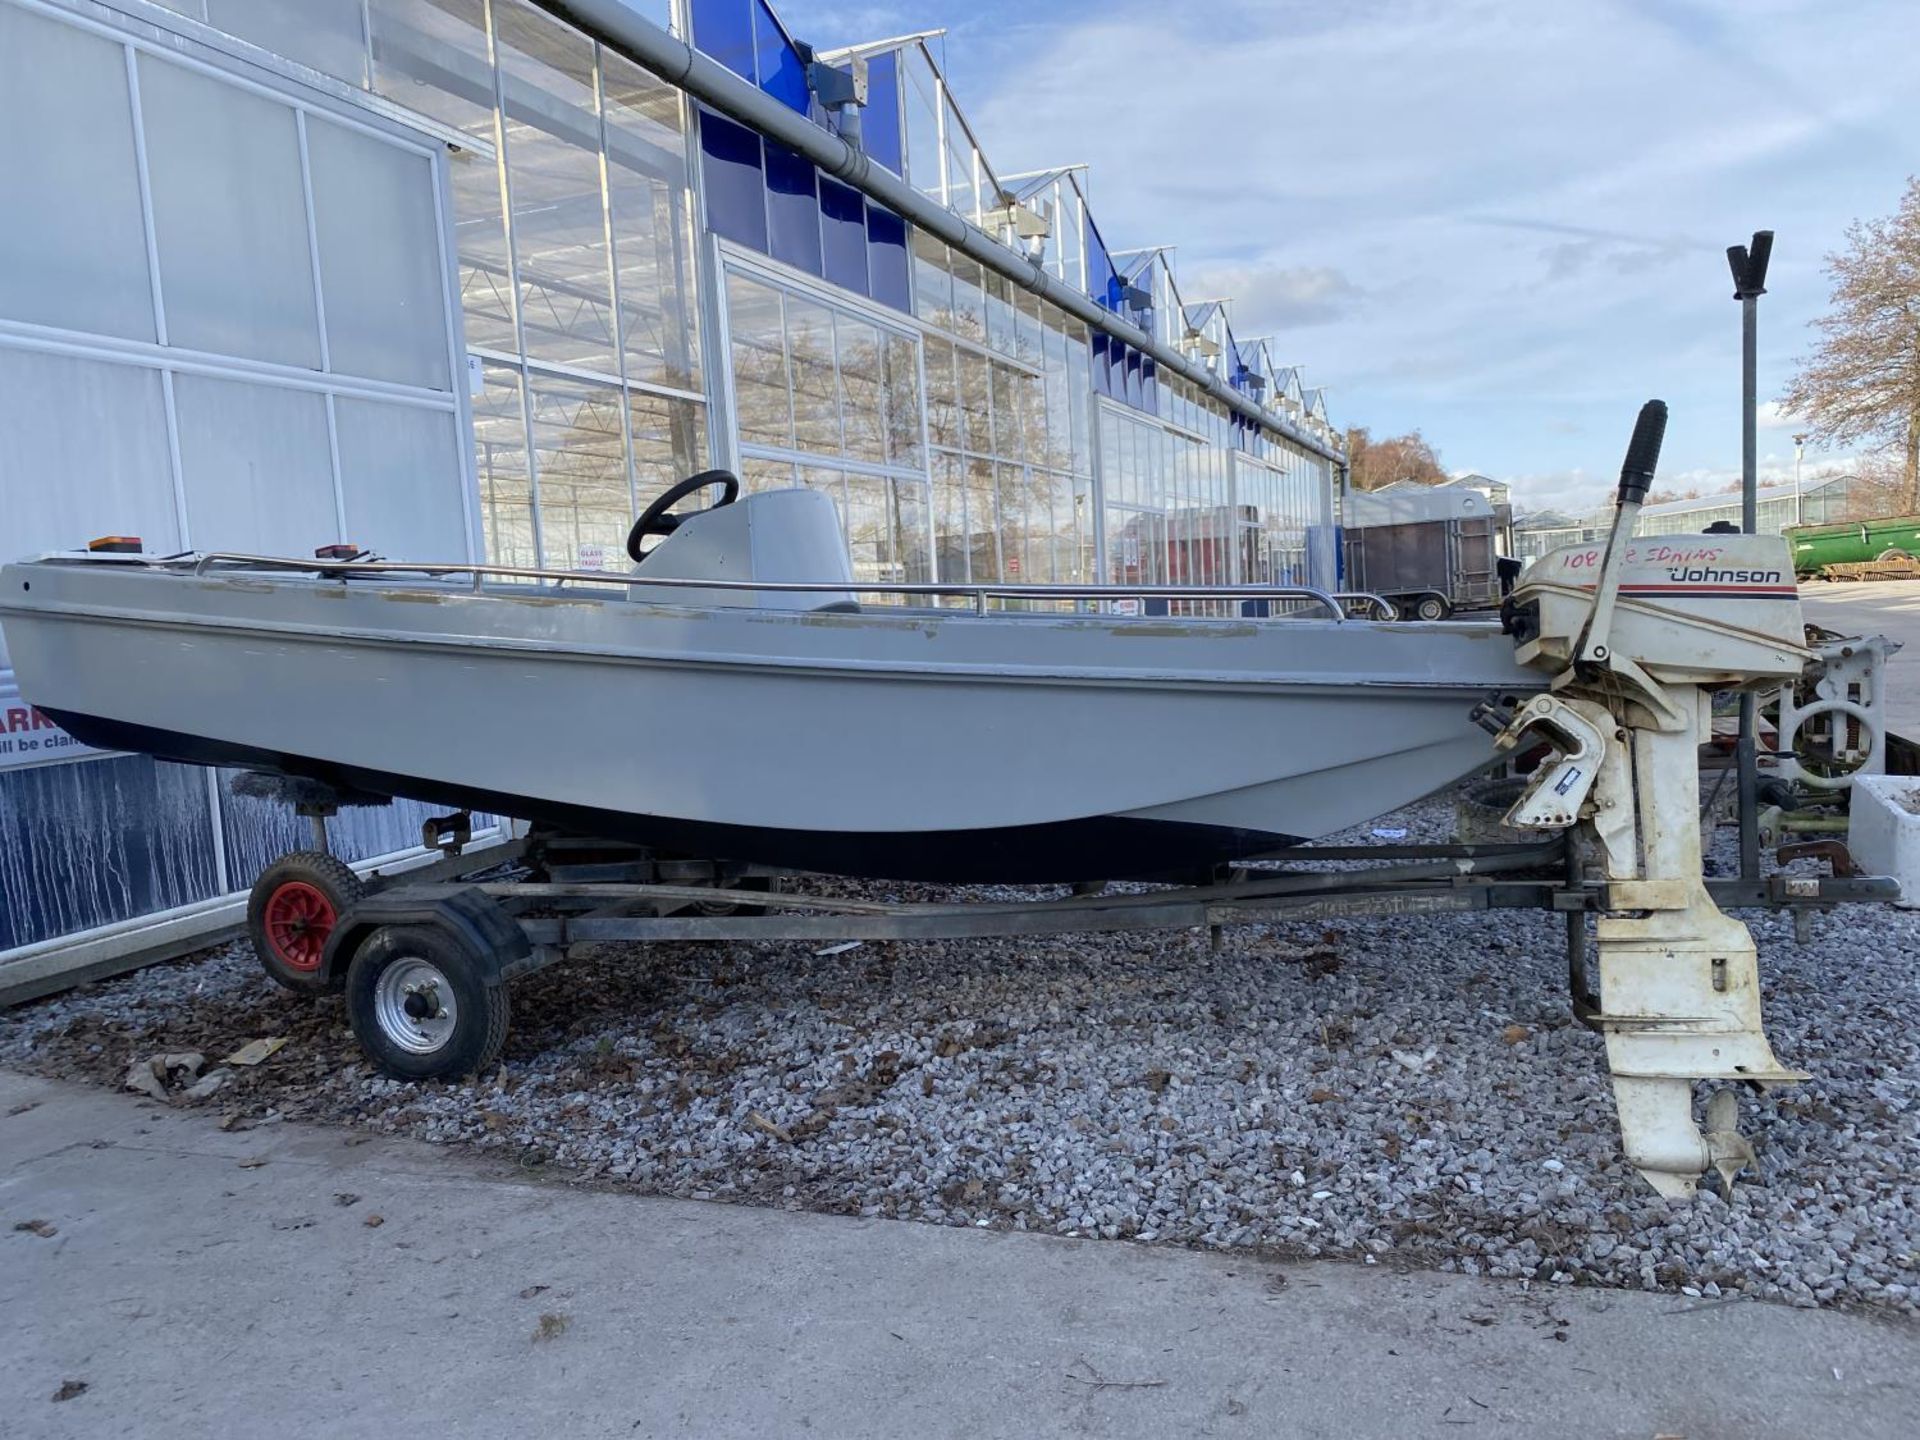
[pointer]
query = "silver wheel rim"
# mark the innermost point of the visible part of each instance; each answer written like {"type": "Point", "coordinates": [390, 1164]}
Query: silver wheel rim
{"type": "Point", "coordinates": [410, 978]}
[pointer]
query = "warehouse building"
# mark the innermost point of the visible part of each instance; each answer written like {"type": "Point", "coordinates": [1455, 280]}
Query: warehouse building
{"type": "Point", "coordinates": [455, 279]}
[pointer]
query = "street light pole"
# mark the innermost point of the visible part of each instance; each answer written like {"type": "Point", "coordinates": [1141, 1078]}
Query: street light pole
{"type": "Point", "coordinates": [1799, 449]}
{"type": "Point", "coordinates": [1749, 266]}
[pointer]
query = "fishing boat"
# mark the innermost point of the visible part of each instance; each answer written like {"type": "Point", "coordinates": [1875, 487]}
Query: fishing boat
{"type": "Point", "coordinates": [741, 695]}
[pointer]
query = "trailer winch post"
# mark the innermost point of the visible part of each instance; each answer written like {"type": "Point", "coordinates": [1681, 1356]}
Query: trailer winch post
{"type": "Point", "coordinates": [1749, 266]}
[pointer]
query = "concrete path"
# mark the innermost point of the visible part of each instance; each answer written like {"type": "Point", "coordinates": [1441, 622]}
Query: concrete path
{"type": "Point", "coordinates": [199, 1284]}
{"type": "Point", "coordinates": [1881, 607]}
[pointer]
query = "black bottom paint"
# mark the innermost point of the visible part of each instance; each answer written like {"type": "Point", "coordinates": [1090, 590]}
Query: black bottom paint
{"type": "Point", "coordinates": [1100, 848]}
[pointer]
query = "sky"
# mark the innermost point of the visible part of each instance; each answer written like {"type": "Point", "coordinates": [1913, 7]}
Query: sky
{"type": "Point", "coordinates": [1502, 222]}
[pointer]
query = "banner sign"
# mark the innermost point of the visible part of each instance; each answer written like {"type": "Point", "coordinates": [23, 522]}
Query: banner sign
{"type": "Point", "coordinates": [28, 737]}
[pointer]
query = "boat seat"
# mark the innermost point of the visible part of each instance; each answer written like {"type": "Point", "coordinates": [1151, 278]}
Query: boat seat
{"type": "Point", "coordinates": [786, 536]}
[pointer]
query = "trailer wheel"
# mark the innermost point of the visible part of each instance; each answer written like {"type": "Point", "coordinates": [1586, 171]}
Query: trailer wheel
{"type": "Point", "coordinates": [423, 1005]}
{"type": "Point", "coordinates": [291, 911]}
{"type": "Point", "coordinates": [1891, 553]}
{"type": "Point", "coordinates": [1432, 607]}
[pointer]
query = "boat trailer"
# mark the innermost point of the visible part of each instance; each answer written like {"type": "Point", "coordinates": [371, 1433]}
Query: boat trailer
{"type": "Point", "coordinates": [427, 967]}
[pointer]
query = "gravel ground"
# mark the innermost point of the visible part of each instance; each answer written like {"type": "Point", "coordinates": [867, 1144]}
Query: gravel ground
{"type": "Point", "coordinates": [1406, 1090]}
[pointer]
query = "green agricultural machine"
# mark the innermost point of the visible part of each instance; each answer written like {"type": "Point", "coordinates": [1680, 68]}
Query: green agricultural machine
{"type": "Point", "coordinates": [1884, 549]}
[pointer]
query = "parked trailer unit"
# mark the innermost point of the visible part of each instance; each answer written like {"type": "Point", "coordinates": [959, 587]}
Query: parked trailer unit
{"type": "Point", "coordinates": [1429, 551]}
{"type": "Point", "coordinates": [1892, 539]}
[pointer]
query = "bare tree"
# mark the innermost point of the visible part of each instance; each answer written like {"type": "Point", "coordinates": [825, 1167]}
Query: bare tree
{"type": "Point", "coordinates": [1861, 385]}
{"type": "Point", "coordinates": [1375, 463]}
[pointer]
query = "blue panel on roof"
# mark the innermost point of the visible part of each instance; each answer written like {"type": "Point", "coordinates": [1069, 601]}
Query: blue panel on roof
{"type": "Point", "coordinates": [880, 121]}
{"type": "Point", "coordinates": [724, 30]}
{"type": "Point", "coordinates": [793, 209]}
{"type": "Point", "coordinates": [843, 233]}
{"type": "Point", "coordinates": [888, 265]}
{"type": "Point", "coordinates": [736, 190]}
{"type": "Point", "coordinates": [779, 69]}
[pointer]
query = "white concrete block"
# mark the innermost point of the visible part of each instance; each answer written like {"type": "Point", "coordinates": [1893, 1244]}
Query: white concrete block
{"type": "Point", "coordinates": [1883, 831]}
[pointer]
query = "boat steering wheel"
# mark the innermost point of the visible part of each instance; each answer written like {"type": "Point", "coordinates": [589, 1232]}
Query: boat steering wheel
{"type": "Point", "coordinates": [655, 519]}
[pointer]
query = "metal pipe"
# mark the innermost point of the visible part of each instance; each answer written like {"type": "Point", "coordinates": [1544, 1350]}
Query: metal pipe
{"type": "Point", "coordinates": [1749, 266]}
{"type": "Point", "coordinates": [614, 24]}
{"type": "Point", "coordinates": [980, 594]}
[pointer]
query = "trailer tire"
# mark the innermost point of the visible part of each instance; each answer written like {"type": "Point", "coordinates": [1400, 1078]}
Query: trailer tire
{"type": "Point", "coordinates": [291, 911]}
{"type": "Point", "coordinates": [1891, 553]}
{"type": "Point", "coordinates": [1432, 607]}
{"type": "Point", "coordinates": [423, 1005]}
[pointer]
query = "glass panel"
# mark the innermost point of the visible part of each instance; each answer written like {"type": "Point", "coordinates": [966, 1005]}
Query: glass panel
{"type": "Point", "coordinates": [1067, 524]}
{"type": "Point", "coordinates": [887, 266]}
{"type": "Point", "coordinates": [816, 410]}
{"type": "Point", "coordinates": [232, 222]}
{"type": "Point", "coordinates": [256, 466]}
{"type": "Point", "coordinates": [759, 475]}
{"type": "Point", "coordinates": [932, 281]}
{"type": "Point", "coordinates": [832, 482]}
{"type": "Point", "coordinates": [762, 396]}
{"type": "Point", "coordinates": [652, 225]}
{"type": "Point", "coordinates": [433, 59]}
{"type": "Point", "coordinates": [1032, 396]}
{"type": "Point", "coordinates": [961, 192]}
{"type": "Point", "coordinates": [72, 255]}
{"type": "Point", "coordinates": [553, 164]}
{"type": "Point", "coordinates": [983, 531]}
{"type": "Point", "coordinates": [793, 209]}
{"type": "Point", "coordinates": [843, 231]}
{"type": "Point", "coordinates": [1008, 441]}
{"type": "Point", "coordinates": [669, 442]}
{"type": "Point", "coordinates": [943, 398]}
{"type": "Point", "coordinates": [480, 231]}
{"type": "Point", "coordinates": [903, 401]}
{"type": "Point", "coordinates": [872, 539]}
{"type": "Point", "coordinates": [1016, 504]}
{"type": "Point", "coordinates": [949, 518]}
{"type": "Point", "coordinates": [47, 409]}
{"type": "Point", "coordinates": [880, 125]}
{"type": "Point", "coordinates": [976, 401]}
{"type": "Point", "coordinates": [923, 123]}
{"type": "Point", "coordinates": [724, 30]}
{"type": "Point", "coordinates": [862, 405]}
{"type": "Point", "coordinates": [969, 298]}
{"type": "Point", "coordinates": [1026, 326]}
{"type": "Point", "coordinates": [778, 66]}
{"type": "Point", "coordinates": [325, 35]}
{"type": "Point", "coordinates": [401, 480]}
{"type": "Point", "coordinates": [735, 181]}
{"type": "Point", "coordinates": [500, 462]}
{"type": "Point", "coordinates": [914, 544]}
{"type": "Point", "coordinates": [1000, 326]}
{"type": "Point", "coordinates": [581, 464]}
{"type": "Point", "coordinates": [88, 844]}
{"type": "Point", "coordinates": [379, 257]}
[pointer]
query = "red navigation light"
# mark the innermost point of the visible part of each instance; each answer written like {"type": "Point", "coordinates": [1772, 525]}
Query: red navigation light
{"type": "Point", "coordinates": [114, 545]}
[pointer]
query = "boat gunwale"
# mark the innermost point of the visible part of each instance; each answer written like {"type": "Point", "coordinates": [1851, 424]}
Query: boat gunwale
{"type": "Point", "coordinates": [1124, 676]}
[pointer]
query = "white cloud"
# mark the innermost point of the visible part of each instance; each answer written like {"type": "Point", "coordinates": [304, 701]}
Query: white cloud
{"type": "Point", "coordinates": [1503, 221]}
{"type": "Point", "coordinates": [1273, 297]}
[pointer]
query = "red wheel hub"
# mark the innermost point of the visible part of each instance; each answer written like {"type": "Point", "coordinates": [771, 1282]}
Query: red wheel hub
{"type": "Point", "coordinates": [299, 918]}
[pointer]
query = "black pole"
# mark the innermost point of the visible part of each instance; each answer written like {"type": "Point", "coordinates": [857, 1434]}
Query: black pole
{"type": "Point", "coordinates": [1749, 266]}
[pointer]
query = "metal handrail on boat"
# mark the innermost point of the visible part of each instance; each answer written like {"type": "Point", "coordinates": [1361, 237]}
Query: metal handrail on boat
{"type": "Point", "coordinates": [978, 594]}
